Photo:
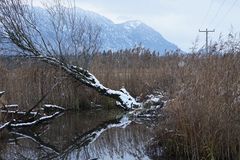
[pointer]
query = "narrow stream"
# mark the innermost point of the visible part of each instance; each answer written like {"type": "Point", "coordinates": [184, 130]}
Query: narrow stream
{"type": "Point", "coordinates": [82, 136]}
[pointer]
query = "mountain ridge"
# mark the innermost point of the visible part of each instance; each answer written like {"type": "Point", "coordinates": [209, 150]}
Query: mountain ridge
{"type": "Point", "coordinates": [117, 36]}
{"type": "Point", "coordinates": [113, 36]}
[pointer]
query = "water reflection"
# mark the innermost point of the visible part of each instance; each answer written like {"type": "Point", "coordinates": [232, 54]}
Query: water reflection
{"type": "Point", "coordinates": [88, 135]}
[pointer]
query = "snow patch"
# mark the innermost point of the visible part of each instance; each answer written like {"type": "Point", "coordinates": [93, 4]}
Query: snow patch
{"type": "Point", "coordinates": [17, 112]}
{"type": "Point", "coordinates": [11, 106]}
{"type": "Point", "coordinates": [132, 24]}
{"type": "Point", "coordinates": [51, 106]}
{"type": "Point", "coordinates": [4, 125]}
{"type": "Point", "coordinates": [1, 93]}
{"type": "Point", "coordinates": [24, 124]}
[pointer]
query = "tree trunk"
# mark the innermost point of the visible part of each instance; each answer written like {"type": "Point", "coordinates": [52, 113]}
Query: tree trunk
{"type": "Point", "coordinates": [123, 98]}
{"type": "Point", "coordinates": [21, 31]}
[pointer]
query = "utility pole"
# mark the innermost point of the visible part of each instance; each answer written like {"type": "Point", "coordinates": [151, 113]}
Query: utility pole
{"type": "Point", "coordinates": [207, 31]}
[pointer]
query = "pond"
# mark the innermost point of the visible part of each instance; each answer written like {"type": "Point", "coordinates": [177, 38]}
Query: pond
{"type": "Point", "coordinates": [95, 134]}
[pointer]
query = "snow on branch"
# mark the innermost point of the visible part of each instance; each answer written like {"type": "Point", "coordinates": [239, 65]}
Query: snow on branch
{"type": "Point", "coordinates": [35, 122]}
{"type": "Point", "coordinates": [2, 93]}
{"type": "Point", "coordinates": [20, 30]}
{"type": "Point", "coordinates": [26, 119]}
{"type": "Point", "coordinates": [123, 98]}
{"type": "Point", "coordinates": [4, 125]}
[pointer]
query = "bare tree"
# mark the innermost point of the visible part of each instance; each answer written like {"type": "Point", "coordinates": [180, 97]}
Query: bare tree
{"type": "Point", "coordinates": [71, 35]}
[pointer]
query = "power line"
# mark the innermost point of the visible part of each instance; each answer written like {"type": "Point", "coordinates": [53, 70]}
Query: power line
{"type": "Point", "coordinates": [226, 13]}
{"type": "Point", "coordinates": [214, 19]}
{"type": "Point", "coordinates": [207, 13]}
{"type": "Point", "coordinates": [218, 11]}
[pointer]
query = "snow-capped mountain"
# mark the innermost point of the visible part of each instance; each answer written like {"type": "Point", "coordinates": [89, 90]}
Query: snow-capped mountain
{"type": "Point", "coordinates": [128, 34]}
{"type": "Point", "coordinates": [113, 36]}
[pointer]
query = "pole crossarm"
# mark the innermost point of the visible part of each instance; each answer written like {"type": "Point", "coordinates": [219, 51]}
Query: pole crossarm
{"type": "Point", "coordinates": [207, 31]}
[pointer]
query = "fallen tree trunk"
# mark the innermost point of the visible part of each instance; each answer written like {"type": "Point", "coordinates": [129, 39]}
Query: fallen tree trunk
{"type": "Point", "coordinates": [22, 33]}
{"type": "Point", "coordinates": [124, 99]}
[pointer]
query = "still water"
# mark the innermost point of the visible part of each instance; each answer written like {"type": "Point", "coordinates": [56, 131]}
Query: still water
{"type": "Point", "coordinates": [82, 136]}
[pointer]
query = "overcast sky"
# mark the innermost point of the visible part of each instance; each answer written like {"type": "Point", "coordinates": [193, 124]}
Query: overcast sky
{"type": "Point", "coordinates": [177, 20]}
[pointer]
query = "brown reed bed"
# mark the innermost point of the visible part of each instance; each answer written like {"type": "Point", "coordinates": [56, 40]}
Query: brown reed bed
{"type": "Point", "coordinates": [202, 119]}
{"type": "Point", "coordinates": [27, 80]}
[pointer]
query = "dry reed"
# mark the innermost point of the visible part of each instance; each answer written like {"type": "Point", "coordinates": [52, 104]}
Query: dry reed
{"type": "Point", "coordinates": [202, 119]}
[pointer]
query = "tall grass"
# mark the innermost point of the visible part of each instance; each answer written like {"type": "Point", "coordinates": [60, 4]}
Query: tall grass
{"type": "Point", "coordinates": [27, 80]}
{"type": "Point", "coordinates": [203, 119]}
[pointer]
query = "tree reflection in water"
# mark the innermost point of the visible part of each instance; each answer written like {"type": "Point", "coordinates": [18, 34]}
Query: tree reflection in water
{"type": "Point", "coordinates": [81, 136]}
